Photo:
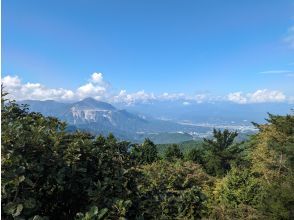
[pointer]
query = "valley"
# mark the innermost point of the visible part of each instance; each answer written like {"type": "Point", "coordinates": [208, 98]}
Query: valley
{"type": "Point", "coordinates": [99, 117]}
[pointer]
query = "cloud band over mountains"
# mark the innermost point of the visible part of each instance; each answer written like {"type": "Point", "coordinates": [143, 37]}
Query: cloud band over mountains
{"type": "Point", "coordinates": [99, 89]}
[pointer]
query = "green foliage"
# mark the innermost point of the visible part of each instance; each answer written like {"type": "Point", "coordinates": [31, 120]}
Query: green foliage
{"type": "Point", "coordinates": [145, 153]}
{"type": "Point", "coordinates": [173, 152]}
{"type": "Point", "coordinates": [47, 172]}
{"type": "Point", "coordinates": [50, 173]}
{"type": "Point", "coordinates": [220, 151]}
{"type": "Point", "coordinates": [93, 213]}
{"type": "Point", "coordinates": [263, 187]}
{"type": "Point", "coordinates": [271, 156]}
{"type": "Point", "coordinates": [236, 196]}
{"type": "Point", "coordinates": [168, 137]}
{"type": "Point", "coordinates": [196, 155]}
{"type": "Point", "coordinates": [171, 190]}
{"type": "Point", "coordinates": [185, 146]}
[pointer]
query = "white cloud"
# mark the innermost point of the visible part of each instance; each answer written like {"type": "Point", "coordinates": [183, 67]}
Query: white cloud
{"type": "Point", "coordinates": [97, 78]}
{"type": "Point", "coordinates": [237, 97]}
{"type": "Point", "coordinates": [97, 88]}
{"type": "Point", "coordinates": [199, 98]}
{"type": "Point", "coordinates": [171, 96]}
{"type": "Point", "coordinates": [287, 73]}
{"type": "Point", "coordinates": [276, 71]}
{"type": "Point", "coordinates": [266, 96]}
{"type": "Point", "coordinates": [186, 103]}
{"type": "Point", "coordinates": [90, 89]}
{"type": "Point", "coordinates": [132, 98]}
{"type": "Point", "coordinates": [11, 81]}
{"type": "Point", "coordinates": [19, 91]}
{"type": "Point", "coordinates": [259, 96]}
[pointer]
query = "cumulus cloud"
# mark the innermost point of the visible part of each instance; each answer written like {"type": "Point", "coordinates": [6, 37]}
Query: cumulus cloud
{"type": "Point", "coordinates": [97, 78]}
{"type": "Point", "coordinates": [19, 91]}
{"type": "Point", "coordinates": [237, 97]}
{"type": "Point", "coordinates": [132, 98]}
{"type": "Point", "coordinates": [90, 89]}
{"type": "Point", "coordinates": [267, 96]}
{"type": "Point", "coordinates": [96, 87]}
{"type": "Point", "coordinates": [171, 96]}
{"type": "Point", "coordinates": [99, 89]}
{"type": "Point", "coordinates": [259, 96]}
{"type": "Point", "coordinates": [11, 81]}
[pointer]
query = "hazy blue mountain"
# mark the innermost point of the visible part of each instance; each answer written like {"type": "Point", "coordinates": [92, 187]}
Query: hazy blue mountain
{"type": "Point", "coordinates": [90, 103]}
{"type": "Point", "coordinates": [162, 121]}
{"type": "Point", "coordinates": [102, 118]}
{"type": "Point", "coordinates": [48, 107]}
{"type": "Point", "coordinates": [214, 113]}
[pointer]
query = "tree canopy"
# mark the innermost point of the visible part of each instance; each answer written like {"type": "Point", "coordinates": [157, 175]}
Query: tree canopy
{"type": "Point", "coordinates": [51, 173]}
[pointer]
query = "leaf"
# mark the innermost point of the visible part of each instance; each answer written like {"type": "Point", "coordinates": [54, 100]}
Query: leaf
{"type": "Point", "coordinates": [93, 211]}
{"type": "Point", "coordinates": [37, 217]}
{"type": "Point", "coordinates": [30, 203]}
{"type": "Point", "coordinates": [29, 182]}
{"type": "Point", "coordinates": [21, 178]}
{"type": "Point", "coordinates": [18, 210]}
{"type": "Point", "coordinates": [9, 208]}
{"type": "Point", "coordinates": [102, 213]}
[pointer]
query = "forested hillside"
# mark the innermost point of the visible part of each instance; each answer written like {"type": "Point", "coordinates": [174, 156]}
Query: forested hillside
{"type": "Point", "coordinates": [50, 173]}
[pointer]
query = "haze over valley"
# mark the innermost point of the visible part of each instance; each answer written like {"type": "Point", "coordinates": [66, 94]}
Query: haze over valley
{"type": "Point", "coordinates": [162, 122]}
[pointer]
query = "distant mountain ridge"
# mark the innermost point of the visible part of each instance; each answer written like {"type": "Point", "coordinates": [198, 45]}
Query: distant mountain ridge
{"type": "Point", "coordinates": [164, 122]}
{"type": "Point", "coordinates": [93, 104]}
{"type": "Point", "coordinates": [100, 117]}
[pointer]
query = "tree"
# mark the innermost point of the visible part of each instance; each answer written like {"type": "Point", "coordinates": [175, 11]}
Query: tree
{"type": "Point", "coordinates": [220, 151]}
{"type": "Point", "coordinates": [262, 188]}
{"type": "Point", "coordinates": [236, 196]}
{"type": "Point", "coordinates": [173, 152]}
{"type": "Point", "coordinates": [195, 155]}
{"type": "Point", "coordinates": [145, 153]}
{"type": "Point", "coordinates": [171, 190]}
{"type": "Point", "coordinates": [272, 159]}
{"type": "Point", "coordinates": [47, 172]}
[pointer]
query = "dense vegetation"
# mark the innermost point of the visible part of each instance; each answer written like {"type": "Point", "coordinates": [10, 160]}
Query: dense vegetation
{"type": "Point", "coordinates": [49, 173]}
{"type": "Point", "coordinates": [185, 146]}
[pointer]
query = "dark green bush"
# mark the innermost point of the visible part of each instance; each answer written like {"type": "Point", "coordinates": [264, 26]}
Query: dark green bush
{"type": "Point", "coordinates": [47, 172]}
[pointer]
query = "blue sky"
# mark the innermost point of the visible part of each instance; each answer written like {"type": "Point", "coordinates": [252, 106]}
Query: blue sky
{"type": "Point", "coordinates": [159, 46]}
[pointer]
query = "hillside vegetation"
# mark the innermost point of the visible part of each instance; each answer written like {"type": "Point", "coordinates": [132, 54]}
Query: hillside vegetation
{"type": "Point", "coordinates": [50, 173]}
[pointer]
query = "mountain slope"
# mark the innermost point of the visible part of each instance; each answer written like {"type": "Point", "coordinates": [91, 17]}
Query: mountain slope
{"type": "Point", "coordinates": [102, 118]}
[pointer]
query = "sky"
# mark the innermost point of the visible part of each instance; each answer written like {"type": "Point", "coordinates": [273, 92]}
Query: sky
{"type": "Point", "coordinates": [197, 50]}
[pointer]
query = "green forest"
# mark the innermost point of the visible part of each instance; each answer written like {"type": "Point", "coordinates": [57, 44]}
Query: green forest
{"type": "Point", "coordinates": [51, 173]}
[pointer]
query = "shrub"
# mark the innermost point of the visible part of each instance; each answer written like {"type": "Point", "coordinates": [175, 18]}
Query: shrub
{"type": "Point", "coordinates": [171, 190]}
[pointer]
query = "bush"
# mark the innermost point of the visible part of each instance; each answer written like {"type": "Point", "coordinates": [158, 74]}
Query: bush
{"type": "Point", "coordinates": [171, 190]}
{"type": "Point", "coordinates": [236, 196]}
{"type": "Point", "coordinates": [195, 155]}
{"type": "Point", "coordinates": [145, 153]}
{"type": "Point", "coordinates": [173, 152]}
{"type": "Point", "coordinates": [47, 172]}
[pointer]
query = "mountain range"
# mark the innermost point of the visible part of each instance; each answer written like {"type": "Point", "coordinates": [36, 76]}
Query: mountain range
{"type": "Point", "coordinates": [163, 122]}
{"type": "Point", "coordinates": [102, 118]}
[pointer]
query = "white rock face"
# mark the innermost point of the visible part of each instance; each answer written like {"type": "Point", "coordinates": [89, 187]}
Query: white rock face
{"type": "Point", "coordinates": [90, 115]}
